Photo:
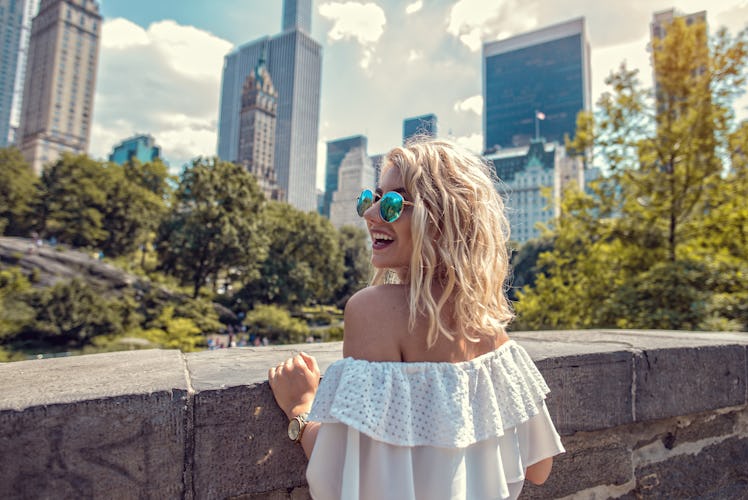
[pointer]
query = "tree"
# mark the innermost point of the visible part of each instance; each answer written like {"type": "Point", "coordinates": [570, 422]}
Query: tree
{"type": "Point", "coordinates": [668, 151]}
{"type": "Point", "coordinates": [304, 264]}
{"type": "Point", "coordinates": [133, 211]}
{"type": "Point", "coordinates": [14, 311]}
{"type": "Point", "coordinates": [71, 314]}
{"type": "Point", "coordinates": [524, 262]}
{"type": "Point", "coordinates": [153, 176]}
{"type": "Point", "coordinates": [73, 201]}
{"type": "Point", "coordinates": [658, 243]}
{"type": "Point", "coordinates": [18, 192]}
{"type": "Point", "coordinates": [213, 226]}
{"type": "Point", "coordinates": [356, 249]}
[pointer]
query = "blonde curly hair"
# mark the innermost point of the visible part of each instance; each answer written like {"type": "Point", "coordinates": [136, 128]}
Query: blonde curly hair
{"type": "Point", "coordinates": [460, 235]}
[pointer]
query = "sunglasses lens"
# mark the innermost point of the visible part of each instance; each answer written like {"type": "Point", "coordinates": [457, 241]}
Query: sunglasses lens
{"type": "Point", "coordinates": [391, 206]}
{"type": "Point", "coordinates": [365, 200]}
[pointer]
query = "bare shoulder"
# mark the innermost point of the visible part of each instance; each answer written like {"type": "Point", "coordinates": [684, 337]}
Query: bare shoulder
{"type": "Point", "coordinates": [374, 321]}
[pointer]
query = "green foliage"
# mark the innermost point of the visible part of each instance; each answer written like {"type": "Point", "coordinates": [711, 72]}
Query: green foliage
{"type": "Point", "coordinates": [661, 242]}
{"type": "Point", "coordinates": [18, 193]}
{"type": "Point", "coordinates": [132, 212]}
{"type": "Point", "coordinates": [276, 324]}
{"type": "Point", "coordinates": [524, 263]}
{"type": "Point", "coordinates": [212, 228]}
{"type": "Point", "coordinates": [153, 302]}
{"type": "Point", "coordinates": [153, 176]}
{"type": "Point", "coordinates": [73, 201]}
{"type": "Point", "coordinates": [322, 315]}
{"type": "Point", "coordinates": [71, 314]}
{"type": "Point", "coordinates": [14, 311]}
{"type": "Point", "coordinates": [354, 244]}
{"type": "Point", "coordinates": [173, 332]}
{"type": "Point", "coordinates": [332, 334]}
{"type": "Point", "coordinates": [304, 264]}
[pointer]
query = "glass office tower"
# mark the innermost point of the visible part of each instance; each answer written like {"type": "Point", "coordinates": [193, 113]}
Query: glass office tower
{"type": "Point", "coordinates": [534, 84]}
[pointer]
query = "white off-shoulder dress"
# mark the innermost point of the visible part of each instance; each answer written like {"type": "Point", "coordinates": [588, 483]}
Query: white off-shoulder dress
{"type": "Point", "coordinates": [430, 430]}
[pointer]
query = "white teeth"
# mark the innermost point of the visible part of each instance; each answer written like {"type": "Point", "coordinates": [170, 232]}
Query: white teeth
{"type": "Point", "coordinates": [380, 236]}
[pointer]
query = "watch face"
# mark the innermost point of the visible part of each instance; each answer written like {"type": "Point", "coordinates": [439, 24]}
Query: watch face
{"type": "Point", "coordinates": [293, 429]}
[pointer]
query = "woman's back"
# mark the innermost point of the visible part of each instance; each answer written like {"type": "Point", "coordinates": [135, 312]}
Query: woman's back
{"type": "Point", "coordinates": [377, 329]}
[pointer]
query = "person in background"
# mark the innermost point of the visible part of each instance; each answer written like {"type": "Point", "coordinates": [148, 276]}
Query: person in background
{"type": "Point", "coordinates": [432, 399]}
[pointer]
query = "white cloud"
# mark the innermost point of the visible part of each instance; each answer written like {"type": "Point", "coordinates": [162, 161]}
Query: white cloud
{"type": "Point", "coordinates": [414, 7]}
{"type": "Point", "coordinates": [361, 22]}
{"type": "Point", "coordinates": [163, 81]}
{"type": "Point", "coordinates": [473, 21]}
{"type": "Point", "coordinates": [122, 34]}
{"type": "Point", "coordinates": [414, 55]}
{"type": "Point", "coordinates": [189, 50]}
{"type": "Point", "coordinates": [473, 103]}
{"type": "Point", "coordinates": [468, 14]}
{"type": "Point", "coordinates": [473, 142]}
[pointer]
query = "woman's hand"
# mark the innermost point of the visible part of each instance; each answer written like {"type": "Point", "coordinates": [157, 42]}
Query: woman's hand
{"type": "Point", "coordinates": [294, 383]}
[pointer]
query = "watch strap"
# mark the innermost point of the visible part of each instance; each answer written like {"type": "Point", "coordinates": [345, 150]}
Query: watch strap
{"type": "Point", "coordinates": [302, 419]}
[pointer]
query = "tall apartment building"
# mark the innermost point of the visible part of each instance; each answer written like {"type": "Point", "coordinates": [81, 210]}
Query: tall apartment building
{"type": "Point", "coordinates": [140, 147]}
{"type": "Point", "coordinates": [257, 129]}
{"type": "Point", "coordinates": [15, 27]}
{"type": "Point", "coordinates": [543, 73]}
{"type": "Point", "coordinates": [661, 21]}
{"type": "Point", "coordinates": [419, 125]}
{"type": "Point", "coordinates": [356, 173]}
{"type": "Point", "coordinates": [336, 151]}
{"type": "Point", "coordinates": [294, 61]}
{"type": "Point", "coordinates": [526, 172]}
{"type": "Point", "coordinates": [60, 80]}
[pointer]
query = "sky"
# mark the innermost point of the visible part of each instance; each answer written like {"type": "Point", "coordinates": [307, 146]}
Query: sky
{"type": "Point", "coordinates": [161, 61]}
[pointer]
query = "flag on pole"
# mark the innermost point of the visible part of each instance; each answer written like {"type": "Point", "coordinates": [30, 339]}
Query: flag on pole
{"type": "Point", "coordinates": [539, 115]}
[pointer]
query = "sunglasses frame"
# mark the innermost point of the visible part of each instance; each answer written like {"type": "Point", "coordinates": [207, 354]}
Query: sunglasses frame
{"type": "Point", "coordinates": [371, 198]}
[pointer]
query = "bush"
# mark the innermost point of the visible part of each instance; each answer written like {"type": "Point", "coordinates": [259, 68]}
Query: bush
{"type": "Point", "coordinates": [276, 324]}
{"type": "Point", "coordinates": [71, 314]}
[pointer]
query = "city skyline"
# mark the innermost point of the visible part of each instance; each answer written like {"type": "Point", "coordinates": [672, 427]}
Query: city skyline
{"type": "Point", "coordinates": [383, 62]}
{"type": "Point", "coordinates": [294, 60]}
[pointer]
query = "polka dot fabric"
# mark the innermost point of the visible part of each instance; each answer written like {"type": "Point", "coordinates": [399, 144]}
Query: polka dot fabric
{"type": "Point", "coordinates": [450, 405]}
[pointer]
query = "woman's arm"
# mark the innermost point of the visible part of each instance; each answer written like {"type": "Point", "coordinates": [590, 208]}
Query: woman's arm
{"type": "Point", "coordinates": [538, 472]}
{"type": "Point", "coordinates": [367, 321]}
{"type": "Point", "coordinates": [294, 384]}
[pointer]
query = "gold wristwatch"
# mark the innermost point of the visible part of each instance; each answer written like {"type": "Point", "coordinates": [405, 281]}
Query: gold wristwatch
{"type": "Point", "coordinates": [296, 427]}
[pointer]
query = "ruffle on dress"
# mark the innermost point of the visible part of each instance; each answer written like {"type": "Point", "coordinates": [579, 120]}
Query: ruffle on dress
{"type": "Point", "coordinates": [433, 404]}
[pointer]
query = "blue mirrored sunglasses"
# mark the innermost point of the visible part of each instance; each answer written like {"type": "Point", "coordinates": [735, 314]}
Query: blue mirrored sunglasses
{"type": "Point", "coordinates": [391, 204]}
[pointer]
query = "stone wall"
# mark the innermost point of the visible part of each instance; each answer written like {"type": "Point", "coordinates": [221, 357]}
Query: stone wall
{"type": "Point", "coordinates": [642, 414]}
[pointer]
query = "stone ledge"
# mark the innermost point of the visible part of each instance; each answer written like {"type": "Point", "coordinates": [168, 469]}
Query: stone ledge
{"type": "Point", "coordinates": [205, 425]}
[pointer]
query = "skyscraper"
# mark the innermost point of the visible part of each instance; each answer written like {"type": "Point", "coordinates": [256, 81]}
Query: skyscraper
{"type": "Point", "coordinates": [15, 26]}
{"type": "Point", "coordinates": [297, 14]}
{"type": "Point", "coordinates": [356, 173]}
{"type": "Point", "coordinates": [140, 147]}
{"type": "Point", "coordinates": [336, 151]}
{"type": "Point", "coordinates": [419, 125]}
{"type": "Point", "coordinates": [257, 129]}
{"type": "Point", "coordinates": [60, 80]}
{"type": "Point", "coordinates": [543, 74]}
{"type": "Point", "coordinates": [661, 21]}
{"type": "Point", "coordinates": [294, 61]}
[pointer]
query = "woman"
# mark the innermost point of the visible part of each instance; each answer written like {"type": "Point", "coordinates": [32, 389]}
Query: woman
{"type": "Point", "coordinates": [432, 399]}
